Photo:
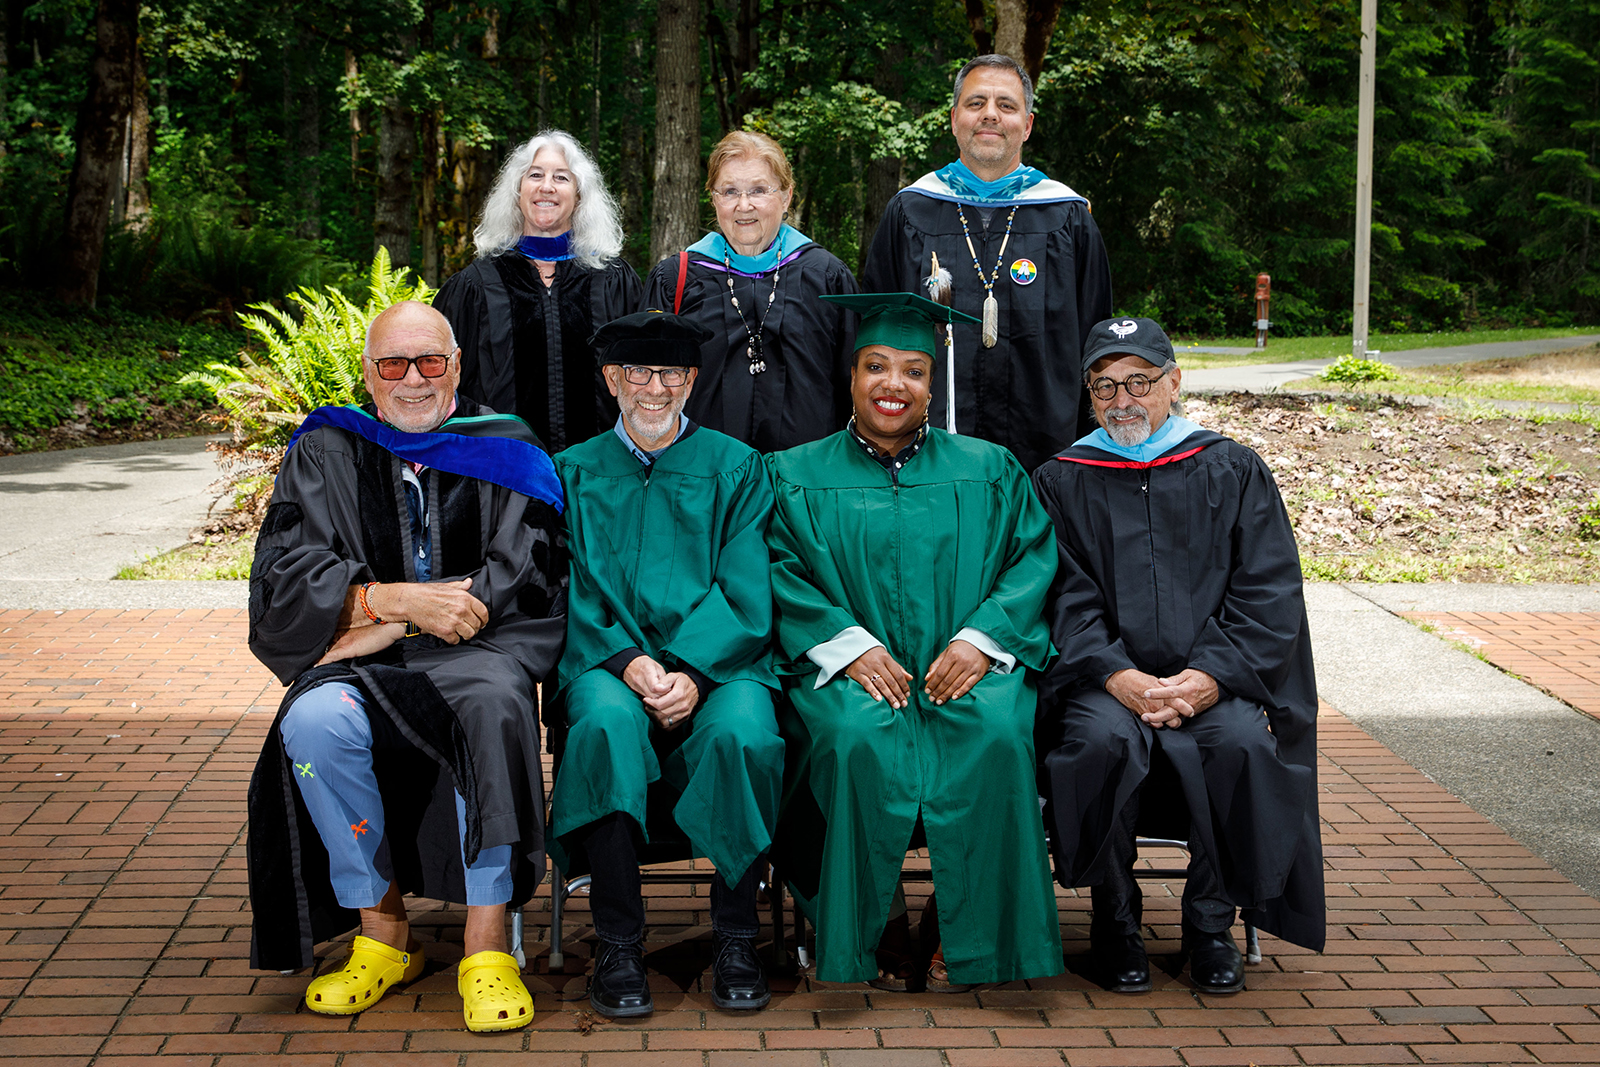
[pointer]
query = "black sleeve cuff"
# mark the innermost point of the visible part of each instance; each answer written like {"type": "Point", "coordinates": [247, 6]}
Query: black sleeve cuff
{"type": "Point", "coordinates": [701, 682]}
{"type": "Point", "coordinates": [619, 663]}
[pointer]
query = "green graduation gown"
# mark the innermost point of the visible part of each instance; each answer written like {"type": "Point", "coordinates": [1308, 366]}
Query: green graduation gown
{"type": "Point", "coordinates": [957, 539]}
{"type": "Point", "coordinates": [670, 560]}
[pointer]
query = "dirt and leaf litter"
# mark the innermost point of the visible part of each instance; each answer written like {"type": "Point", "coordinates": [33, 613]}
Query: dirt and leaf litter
{"type": "Point", "coordinates": [1380, 490]}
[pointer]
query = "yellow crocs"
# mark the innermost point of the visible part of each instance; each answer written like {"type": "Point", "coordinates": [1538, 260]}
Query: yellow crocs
{"type": "Point", "coordinates": [367, 975]}
{"type": "Point", "coordinates": [492, 994]}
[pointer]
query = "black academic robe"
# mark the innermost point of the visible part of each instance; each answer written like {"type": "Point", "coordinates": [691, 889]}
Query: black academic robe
{"type": "Point", "coordinates": [1189, 561]}
{"type": "Point", "coordinates": [808, 345]}
{"type": "Point", "coordinates": [338, 517]}
{"type": "Point", "coordinates": [525, 346]}
{"type": "Point", "coordinates": [1026, 393]}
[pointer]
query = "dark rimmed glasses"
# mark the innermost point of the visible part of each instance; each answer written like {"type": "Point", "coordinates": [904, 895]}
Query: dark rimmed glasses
{"type": "Point", "coordinates": [394, 368]}
{"type": "Point", "coordinates": [671, 377]}
{"type": "Point", "coordinates": [1135, 384]}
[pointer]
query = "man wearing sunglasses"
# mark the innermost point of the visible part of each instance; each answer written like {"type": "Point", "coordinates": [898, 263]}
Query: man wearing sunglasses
{"type": "Point", "coordinates": [667, 672]}
{"type": "Point", "coordinates": [408, 588]}
{"type": "Point", "coordinates": [1184, 660]}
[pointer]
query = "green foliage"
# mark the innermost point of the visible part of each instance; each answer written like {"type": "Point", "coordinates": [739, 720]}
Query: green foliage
{"type": "Point", "coordinates": [1350, 369]}
{"type": "Point", "coordinates": [104, 370]}
{"type": "Point", "coordinates": [1589, 522]}
{"type": "Point", "coordinates": [305, 362]}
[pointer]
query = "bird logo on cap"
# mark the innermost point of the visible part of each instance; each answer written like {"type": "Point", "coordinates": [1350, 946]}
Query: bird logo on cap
{"type": "Point", "coordinates": [1124, 328]}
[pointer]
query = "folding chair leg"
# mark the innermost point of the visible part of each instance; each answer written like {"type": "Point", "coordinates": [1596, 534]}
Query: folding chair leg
{"type": "Point", "coordinates": [516, 938]}
{"type": "Point", "coordinates": [802, 955]}
{"type": "Point", "coordinates": [1252, 944]}
{"type": "Point", "coordinates": [780, 953]}
{"type": "Point", "coordinates": [558, 897]}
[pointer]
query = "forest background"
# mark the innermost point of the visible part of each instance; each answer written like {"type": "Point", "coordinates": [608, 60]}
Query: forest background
{"type": "Point", "coordinates": [244, 149]}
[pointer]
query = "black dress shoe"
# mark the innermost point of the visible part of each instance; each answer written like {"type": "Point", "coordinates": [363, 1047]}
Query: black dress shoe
{"type": "Point", "coordinates": [1214, 961]}
{"type": "Point", "coordinates": [619, 988]}
{"type": "Point", "coordinates": [1122, 961]}
{"type": "Point", "coordinates": [737, 981]}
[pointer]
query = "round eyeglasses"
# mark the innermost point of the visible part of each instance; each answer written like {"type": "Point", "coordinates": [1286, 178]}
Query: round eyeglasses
{"type": "Point", "coordinates": [394, 368]}
{"type": "Point", "coordinates": [671, 377]}
{"type": "Point", "coordinates": [1135, 384]}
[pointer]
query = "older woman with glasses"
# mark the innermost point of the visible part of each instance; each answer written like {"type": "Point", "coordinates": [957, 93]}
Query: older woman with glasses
{"type": "Point", "coordinates": [548, 274]}
{"type": "Point", "coordinates": [776, 372]}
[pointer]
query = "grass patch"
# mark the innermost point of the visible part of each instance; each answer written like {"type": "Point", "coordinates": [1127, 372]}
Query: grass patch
{"type": "Point", "coordinates": [101, 376]}
{"type": "Point", "coordinates": [1293, 349]}
{"type": "Point", "coordinates": [1571, 377]}
{"type": "Point", "coordinates": [226, 561]}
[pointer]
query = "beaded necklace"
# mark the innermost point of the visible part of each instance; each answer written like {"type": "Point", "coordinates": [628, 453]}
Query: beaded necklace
{"type": "Point", "coordinates": [753, 344]}
{"type": "Point", "coordinates": [991, 307]}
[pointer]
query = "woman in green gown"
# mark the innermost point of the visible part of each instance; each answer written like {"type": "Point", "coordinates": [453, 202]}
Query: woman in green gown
{"type": "Point", "coordinates": [909, 572]}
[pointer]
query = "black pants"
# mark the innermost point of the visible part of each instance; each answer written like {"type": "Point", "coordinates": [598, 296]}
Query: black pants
{"type": "Point", "coordinates": [616, 895]}
{"type": "Point", "coordinates": [1118, 901]}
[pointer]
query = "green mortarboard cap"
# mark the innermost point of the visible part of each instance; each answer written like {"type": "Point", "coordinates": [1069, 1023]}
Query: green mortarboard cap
{"type": "Point", "coordinates": [899, 320]}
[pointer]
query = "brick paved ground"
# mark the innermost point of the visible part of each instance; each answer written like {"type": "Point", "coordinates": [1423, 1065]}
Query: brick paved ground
{"type": "Point", "coordinates": [126, 740]}
{"type": "Point", "coordinates": [1558, 651]}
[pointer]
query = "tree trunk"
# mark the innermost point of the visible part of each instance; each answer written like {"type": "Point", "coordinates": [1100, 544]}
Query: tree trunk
{"type": "Point", "coordinates": [352, 73]}
{"type": "Point", "coordinates": [1022, 30]}
{"type": "Point", "coordinates": [595, 68]}
{"type": "Point", "coordinates": [138, 195]}
{"type": "Point", "coordinates": [102, 125]}
{"type": "Point", "coordinates": [978, 22]}
{"type": "Point", "coordinates": [675, 218]}
{"type": "Point", "coordinates": [302, 120]}
{"type": "Point", "coordinates": [631, 186]}
{"type": "Point", "coordinates": [428, 215]}
{"type": "Point", "coordinates": [391, 209]}
{"type": "Point", "coordinates": [883, 175]}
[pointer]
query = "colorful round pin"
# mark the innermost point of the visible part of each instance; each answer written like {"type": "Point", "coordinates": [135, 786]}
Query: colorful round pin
{"type": "Point", "coordinates": [1023, 272]}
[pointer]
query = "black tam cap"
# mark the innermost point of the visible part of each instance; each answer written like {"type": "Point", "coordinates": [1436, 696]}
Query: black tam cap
{"type": "Point", "coordinates": [651, 338]}
{"type": "Point", "coordinates": [1128, 337]}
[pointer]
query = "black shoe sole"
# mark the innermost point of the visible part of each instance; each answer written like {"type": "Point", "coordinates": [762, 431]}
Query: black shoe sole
{"type": "Point", "coordinates": [741, 1005]}
{"type": "Point", "coordinates": [1129, 987]}
{"type": "Point", "coordinates": [1220, 989]}
{"type": "Point", "coordinates": [621, 1013]}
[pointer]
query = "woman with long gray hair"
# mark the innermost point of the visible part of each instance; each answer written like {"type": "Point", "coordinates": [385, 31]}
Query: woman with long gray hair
{"type": "Point", "coordinates": [548, 274]}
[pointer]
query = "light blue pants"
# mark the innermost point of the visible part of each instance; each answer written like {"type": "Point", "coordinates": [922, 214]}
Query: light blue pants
{"type": "Point", "coordinates": [329, 740]}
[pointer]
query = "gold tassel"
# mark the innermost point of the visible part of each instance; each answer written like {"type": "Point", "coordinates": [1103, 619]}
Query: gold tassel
{"type": "Point", "coordinates": [991, 321]}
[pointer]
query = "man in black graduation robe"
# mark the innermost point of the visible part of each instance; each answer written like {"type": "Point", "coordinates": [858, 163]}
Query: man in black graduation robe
{"type": "Point", "coordinates": [435, 676]}
{"type": "Point", "coordinates": [1180, 620]}
{"type": "Point", "coordinates": [1039, 254]}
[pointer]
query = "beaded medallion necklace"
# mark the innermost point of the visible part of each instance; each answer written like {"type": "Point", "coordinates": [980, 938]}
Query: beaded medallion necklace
{"type": "Point", "coordinates": [991, 307]}
{"type": "Point", "coordinates": [753, 344]}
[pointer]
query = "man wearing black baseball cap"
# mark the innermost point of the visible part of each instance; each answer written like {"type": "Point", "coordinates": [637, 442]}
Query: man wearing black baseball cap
{"type": "Point", "coordinates": [1180, 618]}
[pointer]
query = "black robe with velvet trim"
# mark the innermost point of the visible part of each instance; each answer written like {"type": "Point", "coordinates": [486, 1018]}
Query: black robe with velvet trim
{"type": "Point", "coordinates": [1026, 392]}
{"type": "Point", "coordinates": [525, 346]}
{"type": "Point", "coordinates": [808, 345]}
{"type": "Point", "coordinates": [1189, 561]}
{"type": "Point", "coordinates": [339, 517]}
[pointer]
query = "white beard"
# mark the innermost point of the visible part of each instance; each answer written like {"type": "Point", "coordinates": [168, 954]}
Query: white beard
{"type": "Point", "coordinates": [1128, 434]}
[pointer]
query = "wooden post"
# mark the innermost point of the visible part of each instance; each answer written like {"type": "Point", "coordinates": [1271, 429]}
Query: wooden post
{"type": "Point", "coordinates": [1263, 308]}
{"type": "Point", "coordinates": [1363, 286]}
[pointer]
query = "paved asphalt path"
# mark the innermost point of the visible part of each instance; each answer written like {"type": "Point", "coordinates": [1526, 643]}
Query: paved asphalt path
{"type": "Point", "coordinates": [1263, 377]}
{"type": "Point", "coordinates": [83, 513]}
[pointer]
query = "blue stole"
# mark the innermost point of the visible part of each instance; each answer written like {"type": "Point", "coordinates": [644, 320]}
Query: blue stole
{"type": "Point", "coordinates": [508, 462]}
{"type": "Point", "coordinates": [714, 246]}
{"type": "Point", "coordinates": [1172, 433]}
{"type": "Point", "coordinates": [547, 249]}
{"type": "Point", "coordinates": [968, 186]}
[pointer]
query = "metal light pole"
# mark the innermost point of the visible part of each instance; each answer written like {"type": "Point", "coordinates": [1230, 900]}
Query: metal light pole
{"type": "Point", "coordinates": [1369, 63]}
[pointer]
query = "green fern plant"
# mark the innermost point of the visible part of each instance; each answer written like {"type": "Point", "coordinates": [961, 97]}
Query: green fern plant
{"type": "Point", "coordinates": [304, 361]}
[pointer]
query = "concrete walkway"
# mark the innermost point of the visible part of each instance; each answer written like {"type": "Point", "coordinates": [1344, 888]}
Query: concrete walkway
{"type": "Point", "coordinates": [1264, 377]}
{"type": "Point", "coordinates": [84, 513]}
